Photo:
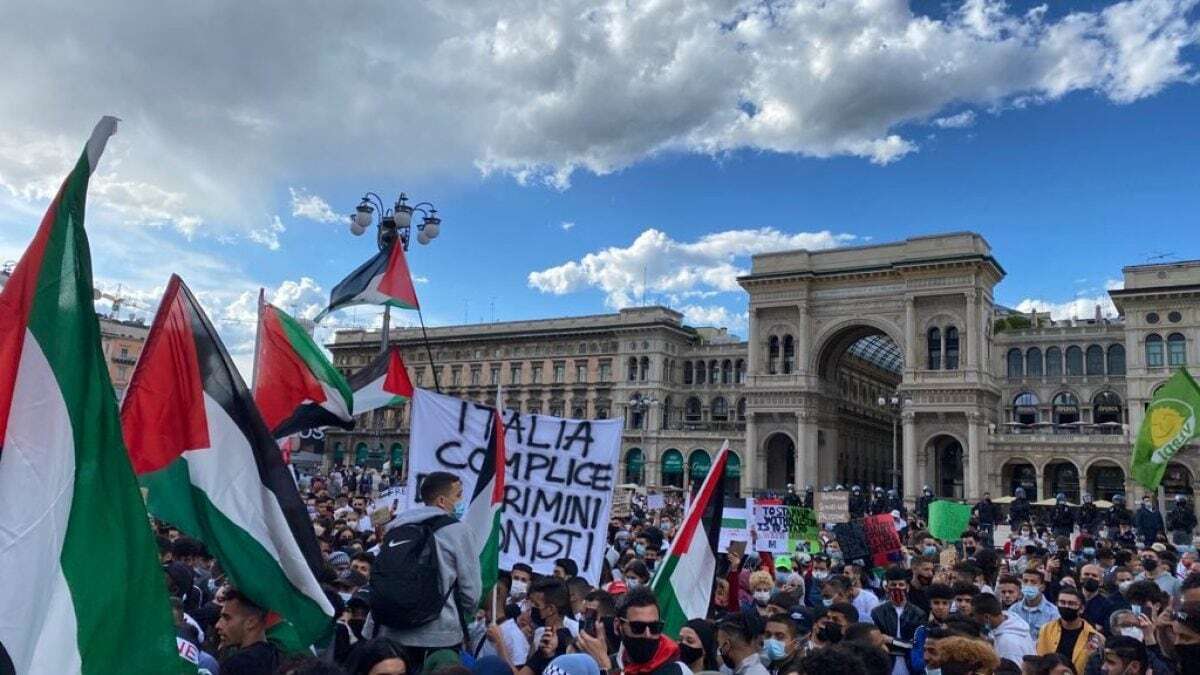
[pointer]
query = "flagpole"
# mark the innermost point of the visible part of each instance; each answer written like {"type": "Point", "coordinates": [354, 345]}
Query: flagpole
{"type": "Point", "coordinates": [428, 350]}
{"type": "Point", "coordinates": [257, 341]}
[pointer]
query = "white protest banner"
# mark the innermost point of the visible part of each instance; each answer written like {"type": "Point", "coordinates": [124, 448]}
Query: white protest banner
{"type": "Point", "coordinates": [771, 526]}
{"type": "Point", "coordinates": [558, 491]}
{"type": "Point", "coordinates": [735, 521]}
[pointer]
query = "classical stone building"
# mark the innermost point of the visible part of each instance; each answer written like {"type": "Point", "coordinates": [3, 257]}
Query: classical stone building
{"type": "Point", "coordinates": [122, 343]}
{"type": "Point", "coordinates": [884, 364]}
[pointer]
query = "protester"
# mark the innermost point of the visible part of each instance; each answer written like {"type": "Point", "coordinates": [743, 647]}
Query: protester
{"type": "Point", "coordinates": [243, 631]}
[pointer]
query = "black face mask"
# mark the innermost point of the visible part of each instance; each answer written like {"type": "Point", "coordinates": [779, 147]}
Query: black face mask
{"type": "Point", "coordinates": [535, 615]}
{"type": "Point", "coordinates": [356, 627]}
{"type": "Point", "coordinates": [639, 649]}
{"type": "Point", "coordinates": [689, 654]}
{"type": "Point", "coordinates": [831, 633]}
{"type": "Point", "coordinates": [1068, 613]}
{"type": "Point", "coordinates": [1091, 585]}
{"type": "Point", "coordinates": [969, 550]}
{"type": "Point", "coordinates": [1149, 564]}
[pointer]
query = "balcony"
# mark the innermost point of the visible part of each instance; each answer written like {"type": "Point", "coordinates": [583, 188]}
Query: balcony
{"type": "Point", "coordinates": [125, 360]}
{"type": "Point", "coordinates": [1067, 429]}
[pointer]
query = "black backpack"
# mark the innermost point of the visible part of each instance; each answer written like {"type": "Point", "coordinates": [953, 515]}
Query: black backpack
{"type": "Point", "coordinates": [406, 582]}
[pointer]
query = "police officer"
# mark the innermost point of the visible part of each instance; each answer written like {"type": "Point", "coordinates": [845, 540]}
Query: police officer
{"type": "Point", "coordinates": [923, 502]}
{"type": "Point", "coordinates": [1062, 521]}
{"type": "Point", "coordinates": [791, 499]}
{"type": "Point", "coordinates": [1089, 515]}
{"type": "Point", "coordinates": [1181, 522]}
{"type": "Point", "coordinates": [1119, 513]}
{"type": "Point", "coordinates": [895, 503]}
{"type": "Point", "coordinates": [858, 503]}
{"type": "Point", "coordinates": [880, 504]}
{"type": "Point", "coordinates": [1018, 510]}
{"type": "Point", "coordinates": [1148, 521]}
{"type": "Point", "coordinates": [987, 513]}
{"type": "Point", "coordinates": [808, 496]}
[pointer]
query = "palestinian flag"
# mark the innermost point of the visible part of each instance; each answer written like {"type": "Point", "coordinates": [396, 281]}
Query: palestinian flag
{"type": "Point", "coordinates": [382, 280]}
{"type": "Point", "coordinates": [83, 589]}
{"type": "Point", "coordinates": [683, 583]}
{"type": "Point", "coordinates": [486, 506]}
{"type": "Point", "coordinates": [295, 386]}
{"type": "Point", "coordinates": [211, 468]}
{"type": "Point", "coordinates": [381, 383]}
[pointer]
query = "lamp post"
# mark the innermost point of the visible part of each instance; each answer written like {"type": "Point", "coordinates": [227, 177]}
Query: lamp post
{"type": "Point", "coordinates": [395, 225]}
{"type": "Point", "coordinates": [895, 405]}
{"type": "Point", "coordinates": [642, 405]}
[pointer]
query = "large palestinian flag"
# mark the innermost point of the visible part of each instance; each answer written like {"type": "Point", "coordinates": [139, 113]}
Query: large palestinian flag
{"type": "Point", "coordinates": [683, 583]}
{"type": "Point", "coordinates": [382, 280]}
{"type": "Point", "coordinates": [295, 386]}
{"type": "Point", "coordinates": [83, 590]}
{"type": "Point", "coordinates": [211, 468]}
{"type": "Point", "coordinates": [487, 505]}
{"type": "Point", "coordinates": [381, 383]}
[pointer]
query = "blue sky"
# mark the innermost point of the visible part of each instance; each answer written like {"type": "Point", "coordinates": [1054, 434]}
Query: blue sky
{"type": "Point", "coordinates": [570, 146]}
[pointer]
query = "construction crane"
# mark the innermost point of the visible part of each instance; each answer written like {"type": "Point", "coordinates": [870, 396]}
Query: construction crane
{"type": "Point", "coordinates": [117, 301]}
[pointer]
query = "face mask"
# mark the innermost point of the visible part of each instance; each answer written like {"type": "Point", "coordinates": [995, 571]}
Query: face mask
{"type": "Point", "coordinates": [830, 632]}
{"type": "Point", "coordinates": [633, 583]}
{"type": "Point", "coordinates": [519, 589]}
{"type": "Point", "coordinates": [459, 509]}
{"type": "Point", "coordinates": [639, 649]}
{"type": "Point", "coordinates": [828, 602]}
{"type": "Point", "coordinates": [535, 615]}
{"type": "Point", "coordinates": [689, 654]}
{"type": "Point", "coordinates": [929, 550]}
{"type": "Point", "coordinates": [933, 671]}
{"type": "Point", "coordinates": [1068, 613]}
{"type": "Point", "coordinates": [835, 556]}
{"type": "Point", "coordinates": [650, 564]}
{"type": "Point", "coordinates": [1124, 586]}
{"type": "Point", "coordinates": [344, 596]}
{"type": "Point", "coordinates": [1149, 564]}
{"type": "Point", "coordinates": [897, 595]}
{"type": "Point", "coordinates": [356, 626]}
{"type": "Point", "coordinates": [1091, 585]}
{"type": "Point", "coordinates": [969, 550]}
{"type": "Point", "coordinates": [820, 575]}
{"type": "Point", "coordinates": [774, 649]}
{"type": "Point", "coordinates": [639, 549]}
{"type": "Point", "coordinates": [1030, 592]}
{"type": "Point", "coordinates": [762, 598]}
{"type": "Point", "coordinates": [1133, 632]}
{"type": "Point", "coordinates": [1089, 551]}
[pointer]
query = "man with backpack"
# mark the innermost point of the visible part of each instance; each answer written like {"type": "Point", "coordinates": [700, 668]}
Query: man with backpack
{"type": "Point", "coordinates": [426, 579]}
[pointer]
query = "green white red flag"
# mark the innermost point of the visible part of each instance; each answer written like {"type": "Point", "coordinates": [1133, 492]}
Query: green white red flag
{"type": "Point", "coordinates": [295, 386]}
{"type": "Point", "coordinates": [212, 469]}
{"type": "Point", "coordinates": [381, 383]}
{"type": "Point", "coordinates": [487, 503]}
{"type": "Point", "coordinates": [683, 583]}
{"type": "Point", "coordinates": [84, 592]}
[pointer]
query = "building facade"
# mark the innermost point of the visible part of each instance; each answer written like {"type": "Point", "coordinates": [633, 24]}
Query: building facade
{"type": "Point", "coordinates": [121, 342]}
{"type": "Point", "coordinates": [885, 365]}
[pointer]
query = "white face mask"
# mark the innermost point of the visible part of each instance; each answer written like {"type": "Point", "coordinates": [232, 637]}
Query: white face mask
{"type": "Point", "coordinates": [519, 589]}
{"type": "Point", "coordinates": [762, 597]}
{"type": "Point", "coordinates": [1133, 632]}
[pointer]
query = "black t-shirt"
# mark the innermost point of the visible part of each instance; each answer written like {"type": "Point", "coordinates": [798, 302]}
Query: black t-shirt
{"type": "Point", "coordinates": [1066, 644]}
{"type": "Point", "coordinates": [258, 658]}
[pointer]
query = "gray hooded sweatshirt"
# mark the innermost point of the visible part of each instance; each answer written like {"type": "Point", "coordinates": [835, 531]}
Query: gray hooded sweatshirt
{"type": "Point", "coordinates": [1012, 640]}
{"type": "Point", "coordinates": [458, 561]}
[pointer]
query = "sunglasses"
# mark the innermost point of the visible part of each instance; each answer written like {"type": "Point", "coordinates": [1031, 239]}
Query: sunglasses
{"type": "Point", "coordinates": [651, 628]}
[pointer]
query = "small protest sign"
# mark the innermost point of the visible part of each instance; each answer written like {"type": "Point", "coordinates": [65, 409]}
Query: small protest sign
{"type": "Point", "coordinates": [881, 538]}
{"type": "Point", "coordinates": [655, 502]}
{"type": "Point", "coordinates": [852, 540]}
{"type": "Point", "coordinates": [948, 520]}
{"type": "Point", "coordinates": [1000, 535]}
{"type": "Point", "coordinates": [735, 522]}
{"type": "Point", "coordinates": [622, 506]}
{"type": "Point", "coordinates": [833, 507]}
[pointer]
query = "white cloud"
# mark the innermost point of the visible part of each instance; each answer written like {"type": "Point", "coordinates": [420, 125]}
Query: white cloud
{"type": "Point", "coordinates": [712, 315]}
{"type": "Point", "coordinates": [566, 225]}
{"type": "Point", "coordinates": [420, 280]}
{"type": "Point", "coordinates": [311, 207]}
{"type": "Point", "coordinates": [668, 266]}
{"type": "Point", "coordinates": [268, 235]}
{"type": "Point", "coordinates": [962, 120]}
{"type": "Point", "coordinates": [1114, 284]}
{"type": "Point", "coordinates": [1079, 308]}
{"type": "Point", "coordinates": [219, 115]}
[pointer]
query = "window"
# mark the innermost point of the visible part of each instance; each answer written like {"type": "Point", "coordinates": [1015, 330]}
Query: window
{"type": "Point", "coordinates": [1174, 317]}
{"type": "Point", "coordinates": [1065, 408]}
{"type": "Point", "coordinates": [420, 378]}
{"type": "Point", "coordinates": [535, 376]}
{"type": "Point", "coordinates": [1054, 362]}
{"type": "Point", "coordinates": [494, 379]}
{"type": "Point", "coordinates": [720, 410]}
{"type": "Point", "coordinates": [1116, 360]}
{"type": "Point", "coordinates": [1154, 350]}
{"type": "Point", "coordinates": [1015, 363]}
{"type": "Point", "coordinates": [741, 410]}
{"type": "Point", "coordinates": [772, 358]}
{"type": "Point", "coordinates": [605, 371]}
{"type": "Point", "coordinates": [634, 464]}
{"type": "Point", "coordinates": [475, 375]}
{"type": "Point", "coordinates": [727, 372]}
{"type": "Point", "coordinates": [665, 421]}
{"type": "Point", "coordinates": [577, 413]}
{"type": "Point", "coordinates": [560, 374]}
{"type": "Point", "coordinates": [514, 375]}
{"type": "Point", "coordinates": [124, 352]}
{"type": "Point", "coordinates": [700, 372]}
{"type": "Point", "coordinates": [1033, 362]}
{"type": "Point", "coordinates": [645, 369]}
{"type": "Point", "coordinates": [1176, 349]}
{"type": "Point", "coordinates": [1106, 412]}
{"type": "Point", "coordinates": [632, 369]}
{"type": "Point", "coordinates": [580, 372]}
{"type": "Point", "coordinates": [601, 413]}
{"type": "Point", "coordinates": [456, 376]}
{"type": "Point", "coordinates": [687, 372]}
{"type": "Point", "coordinates": [1074, 360]}
{"type": "Point", "coordinates": [556, 410]}
{"type": "Point", "coordinates": [935, 349]}
{"type": "Point", "coordinates": [789, 354]}
{"type": "Point", "coordinates": [1025, 408]}
{"type": "Point", "coordinates": [739, 372]}
{"type": "Point", "coordinates": [951, 348]}
{"type": "Point", "coordinates": [1152, 317]}
{"type": "Point", "coordinates": [691, 410]}
{"type": "Point", "coordinates": [1095, 360]}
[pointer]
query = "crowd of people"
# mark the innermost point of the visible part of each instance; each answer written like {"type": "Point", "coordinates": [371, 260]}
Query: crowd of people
{"type": "Point", "coordinates": [1073, 590]}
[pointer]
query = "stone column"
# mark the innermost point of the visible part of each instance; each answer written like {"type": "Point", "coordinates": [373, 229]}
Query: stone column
{"type": "Point", "coordinates": [912, 481]}
{"type": "Point", "coordinates": [751, 471]}
{"type": "Point", "coordinates": [974, 477]}
{"type": "Point", "coordinates": [968, 354]}
{"type": "Point", "coordinates": [752, 358]}
{"type": "Point", "coordinates": [803, 339]}
{"type": "Point", "coordinates": [910, 333]}
{"type": "Point", "coordinates": [806, 451]}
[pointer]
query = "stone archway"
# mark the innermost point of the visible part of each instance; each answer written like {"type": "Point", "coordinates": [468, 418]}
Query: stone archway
{"type": "Point", "coordinates": [947, 456]}
{"type": "Point", "coordinates": [780, 453]}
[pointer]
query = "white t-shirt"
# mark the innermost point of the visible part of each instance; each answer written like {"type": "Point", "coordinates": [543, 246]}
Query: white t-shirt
{"type": "Point", "coordinates": [864, 603]}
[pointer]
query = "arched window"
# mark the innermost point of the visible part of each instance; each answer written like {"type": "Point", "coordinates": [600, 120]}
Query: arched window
{"type": "Point", "coordinates": [1106, 412]}
{"type": "Point", "coordinates": [720, 410]}
{"type": "Point", "coordinates": [397, 457]}
{"type": "Point", "coordinates": [1025, 408]}
{"type": "Point", "coordinates": [691, 410]}
{"type": "Point", "coordinates": [739, 372]}
{"type": "Point", "coordinates": [1033, 362]}
{"type": "Point", "coordinates": [687, 372]}
{"type": "Point", "coordinates": [727, 372]}
{"type": "Point", "coordinates": [1095, 360]}
{"type": "Point", "coordinates": [1065, 409]}
{"type": "Point", "coordinates": [1074, 360]}
{"type": "Point", "coordinates": [1116, 360]}
{"type": "Point", "coordinates": [773, 355]}
{"type": "Point", "coordinates": [935, 348]}
{"type": "Point", "coordinates": [733, 474]}
{"type": "Point", "coordinates": [1154, 350]}
{"type": "Point", "coordinates": [672, 468]}
{"type": "Point", "coordinates": [1054, 362]}
{"type": "Point", "coordinates": [637, 414]}
{"type": "Point", "coordinates": [635, 463]}
{"type": "Point", "coordinates": [360, 454]}
{"type": "Point", "coordinates": [1176, 349]}
{"type": "Point", "coordinates": [339, 453]}
{"type": "Point", "coordinates": [789, 354]}
{"type": "Point", "coordinates": [741, 410]}
{"type": "Point", "coordinates": [699, 372]}
{"type": "Point", "coordinates": [645, 370]}
{"type": "Point", "coordinates": [951, 348]}
{"type": "Point", "coordinates": [632, 369]}
{"type": "Point", "coordinates": [1015, 363]}
{"type": "Point", "coordinates": [699, 463]}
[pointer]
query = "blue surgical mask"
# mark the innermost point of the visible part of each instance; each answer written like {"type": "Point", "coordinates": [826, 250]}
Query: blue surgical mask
{"type": "Point", "coordinates": [929, 550]}
{"type": "Point", "coordinates": [933, 671]}
{"type": "Point", "coordinates": [1030, 592]}
{"type": "Point", "coordinates": [459, 509]}
{"type": "Point", "coordinates": [639, 549]}
{"type": "Point", "coordinates": [828, 602]}
{"type": "Point", "coordinates": [774, 649]}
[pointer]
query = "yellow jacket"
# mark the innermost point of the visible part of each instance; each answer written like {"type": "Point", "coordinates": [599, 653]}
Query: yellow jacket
{"type": "Point", "coordinates": [1048, 637]}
